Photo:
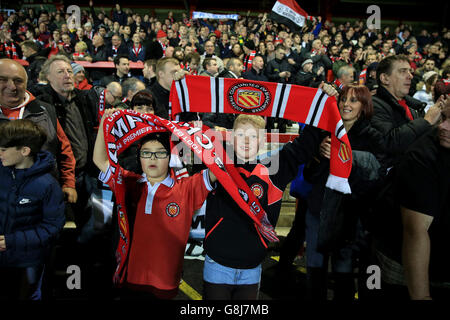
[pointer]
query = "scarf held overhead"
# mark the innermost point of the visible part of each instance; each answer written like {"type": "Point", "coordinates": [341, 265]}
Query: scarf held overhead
{"type": "Point", "coordinates": [123, 128]}
{"type": "Point", "coordinates": [302, 104]}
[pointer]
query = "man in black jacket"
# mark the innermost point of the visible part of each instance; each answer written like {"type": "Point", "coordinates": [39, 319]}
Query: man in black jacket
{"type": "Point", "coordinates": [35, 58]}
{"type": "Point", "coordinates": [257, 71]}
{"type": "Point", "coordinates": [98, 53]}
{"type": "Point", "coordinates": [77, 118]}
{"type": "Point", "coordinates": [399, 118]}
{"type": "Point", "coordinates": [168, 70]}
{"type": "Point", "coordinates": [122, 65]}
{"type": "Point", "coordinates": [279, 69]}
{"type": "Point", "coordinates": [116, 47]}
{"type": "Point", "coordinates": [306, 77]}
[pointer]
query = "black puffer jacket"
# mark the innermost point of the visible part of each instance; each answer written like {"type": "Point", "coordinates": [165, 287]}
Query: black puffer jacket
{"type": "Point", "coordinates": [362, 137]}
{"type": "Point", "coordinates": [390, 120]}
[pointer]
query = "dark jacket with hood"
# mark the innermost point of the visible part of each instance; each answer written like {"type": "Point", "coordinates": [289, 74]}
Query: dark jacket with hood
{"type": "Point", "coordinates": [31, 212]}
{"type": "Point", "coordinates": [231, 238]}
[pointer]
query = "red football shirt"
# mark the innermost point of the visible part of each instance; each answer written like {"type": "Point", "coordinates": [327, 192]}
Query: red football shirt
{"type": "Point", "coordinates": [161, 228]}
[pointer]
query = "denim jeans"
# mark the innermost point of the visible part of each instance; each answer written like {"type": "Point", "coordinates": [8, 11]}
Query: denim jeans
{"type": "Point", "coordinates": [214, 272]}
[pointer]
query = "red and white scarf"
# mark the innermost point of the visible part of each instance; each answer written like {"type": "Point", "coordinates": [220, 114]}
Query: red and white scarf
{"type": "Point", "coordinates": [137, 50]}
{"type": "Point", "coordinates": [10, 50]}
{"type": "Point", "coordinates": [101, 105]}
{"type": "Point", "coordinates": [301, 104]}
{"type": "Point", "coordinates": [125, 127]}
{"type": "Point", "coordinates": [79, 54]}
{"type": "Point", "coordinates": [248, 60]}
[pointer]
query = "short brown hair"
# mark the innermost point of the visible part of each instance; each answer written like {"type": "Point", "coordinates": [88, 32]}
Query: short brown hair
{"type": "Point", "coordinates": [22, 133]}
{"type": "Point", "coordinates": [386, 65]}
{"type": "Point", "coordinates": [162, 63]}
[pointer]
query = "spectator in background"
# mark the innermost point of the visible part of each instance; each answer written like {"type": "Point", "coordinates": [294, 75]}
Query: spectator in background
{"type": "Point", "coordinates": [249, 54]}
{"type": "Point", "coordinates": [306, 77]}
{"type": "Point", "coordinates": [77, 119]}
{"type": "Point", "coordinates": [344, 76]}
{"type": "Point", "coordinates": [210, 67]}
{"type": "Point", "coordinates": [119, 15]}
{"type": "Point", "coordinates": [279, 69]}
{"type": "Point", "coordinates": [79, 75]}
{"type": "Point", "coordinates": [234, 69]}
{"type": "Point", "coordinates": [136, 51]}
{"type": "Point", "coordinates": [157, 49]}
{"type": "Point", "coordinates": [20, 104]}
{"type": "Point", "coordinates": [257, 72]}
{"type": "Point", "coordinates": [122, 65]}
{"type": "Point", "coordinates": [166, 70]}
{"type": "Point", "coordinates": [149, 73]}
{"type": "Point", "coordinates": [81, 53]}
{"type": "Point", "coordinates": [191, 63]}
{"type": "Point", "coordinates": [116, 47]}
{"type": "Point", "coordinates": [210, 53]}
{"type": "Point", "coordinates": [35, 58]}
{"type": "Point", "coordinates": [425, 89]}
{"type": "Point", "coordinates": [129, 89]}
{"type": "Point", "coordinates": [66, 46]}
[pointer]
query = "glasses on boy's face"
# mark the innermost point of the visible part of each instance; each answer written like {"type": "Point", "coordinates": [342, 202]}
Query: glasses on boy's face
{"type": "Point", "coordinates": [158, 154]}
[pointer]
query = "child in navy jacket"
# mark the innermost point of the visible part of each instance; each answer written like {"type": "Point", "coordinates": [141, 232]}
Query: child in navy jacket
{"type": "Point", "coordinates": [31, 209]}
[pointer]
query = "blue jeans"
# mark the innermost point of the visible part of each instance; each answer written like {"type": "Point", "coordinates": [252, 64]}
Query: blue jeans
{"type": "Point", "coordinates": [214, 272]}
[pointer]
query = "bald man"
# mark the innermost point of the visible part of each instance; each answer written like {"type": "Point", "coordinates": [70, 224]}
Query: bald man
{"type": "Point", "coordinates": [17, 103]}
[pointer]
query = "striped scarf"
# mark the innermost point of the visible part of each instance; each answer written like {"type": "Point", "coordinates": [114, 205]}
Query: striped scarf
{"type": "Point", "coordinates": [279, 100]}
{"type": "Point", "coordinates": [10, 50]}
{"type": "Point", "coordinates": [248, 60]}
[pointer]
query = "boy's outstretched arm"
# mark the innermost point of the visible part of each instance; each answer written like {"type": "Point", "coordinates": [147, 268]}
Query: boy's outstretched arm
{"type": "Point", "coordinates": [100, 156]}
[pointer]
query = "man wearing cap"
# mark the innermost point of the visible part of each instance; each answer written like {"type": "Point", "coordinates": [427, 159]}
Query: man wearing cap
{"type": "Point", "coordinates": [157, 49]}
{"type": "Point", "coordinates": [79, 76]}
{"type": "Point", "coordinates": [306, 77]}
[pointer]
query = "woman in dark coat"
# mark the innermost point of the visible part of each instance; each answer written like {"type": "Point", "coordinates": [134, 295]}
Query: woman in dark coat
{"type": "Point", "coordinates": [355, 106]}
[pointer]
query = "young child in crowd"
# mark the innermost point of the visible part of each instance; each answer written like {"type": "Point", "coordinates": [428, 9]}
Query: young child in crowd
{"type": "Point", "coordinates": [234, 247]}
{"type": "Point", "coordinates": [31, 209]}
{"type": "Point", "coordinates": [160, 210]}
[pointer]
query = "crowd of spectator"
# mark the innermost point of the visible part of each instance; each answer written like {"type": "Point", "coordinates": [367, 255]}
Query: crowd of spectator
{"type": "Point", "coordinates": [406, 71]}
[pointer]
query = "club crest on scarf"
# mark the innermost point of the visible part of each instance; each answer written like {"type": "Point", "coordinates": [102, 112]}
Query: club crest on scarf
{"type": "Point", "coordinates": [249, 97]}
{"type": "Point", "coordinates": [344, 153]}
